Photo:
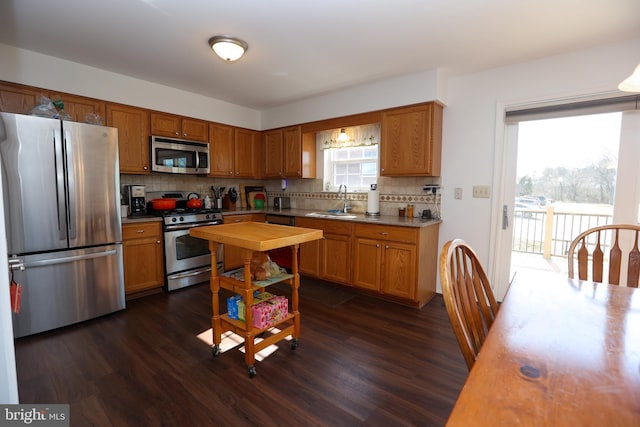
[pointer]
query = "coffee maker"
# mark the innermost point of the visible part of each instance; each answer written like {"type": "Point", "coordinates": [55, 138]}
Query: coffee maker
{"type": "Point", "coordinates": [136, 199]}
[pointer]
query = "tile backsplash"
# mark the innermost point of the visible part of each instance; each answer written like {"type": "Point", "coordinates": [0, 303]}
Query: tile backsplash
{"type": "Point", "coordinates": [395, 192]}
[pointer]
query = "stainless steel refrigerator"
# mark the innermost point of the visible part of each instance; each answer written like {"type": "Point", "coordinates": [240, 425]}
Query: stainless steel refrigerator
{"type": "Point", "coordinates": [60, 183]}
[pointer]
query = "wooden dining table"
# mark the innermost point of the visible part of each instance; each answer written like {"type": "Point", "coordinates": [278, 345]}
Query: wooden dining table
{"type": "Point", "coordinates": [561, 352]}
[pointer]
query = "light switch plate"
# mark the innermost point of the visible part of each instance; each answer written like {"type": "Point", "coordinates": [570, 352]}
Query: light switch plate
{"type": "Point", "coordinates": [481, 191]}
{"type": "Point", "coordinates": [457, 193]}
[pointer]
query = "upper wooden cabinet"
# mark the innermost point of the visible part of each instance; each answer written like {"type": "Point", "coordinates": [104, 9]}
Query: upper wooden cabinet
{"type": "Point", "coordinates": [78, 106]}
{"type": "Point", "coordinates": [411, 142]}
{"type": "Point", "coordinates": [133, 136]}
{"type": "Point", "coordinates": [173, 126]}
{"type": "Point", "coordinates": [233, 151]}
{"type": "Point", "coordinates": [245, 154]}
{"type": "Point", "coordinates": [221, 142]}
{"type": "Point", "coordinates": [273, 154]}
{"type": "Point", "coordinates": [17, 98]}
{"type": "Point", "coordinates": [289, 153]}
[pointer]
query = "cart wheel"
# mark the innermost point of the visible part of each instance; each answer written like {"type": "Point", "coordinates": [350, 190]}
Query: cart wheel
{"type": "Point", "coordinates": [216, 350]}
{"type": "Point", "coordinates": [294, 343]}
{"type": "Point", "coordinates": [252, 371]}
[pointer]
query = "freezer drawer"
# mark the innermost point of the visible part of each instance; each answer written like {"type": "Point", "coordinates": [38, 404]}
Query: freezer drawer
{"type": "Point", "coordinates": [67, 287]}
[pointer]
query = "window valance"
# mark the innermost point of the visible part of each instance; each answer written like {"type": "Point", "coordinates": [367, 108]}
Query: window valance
{"type": "Point", "coordinates": [356, 136]}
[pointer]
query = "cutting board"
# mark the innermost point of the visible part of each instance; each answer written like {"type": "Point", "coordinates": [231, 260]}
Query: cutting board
{"type": "Point", "coordinates": [253, 195]}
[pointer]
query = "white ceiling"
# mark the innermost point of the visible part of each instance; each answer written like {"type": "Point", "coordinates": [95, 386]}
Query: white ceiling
{"type": "Point", "coordinates": [302, 48]}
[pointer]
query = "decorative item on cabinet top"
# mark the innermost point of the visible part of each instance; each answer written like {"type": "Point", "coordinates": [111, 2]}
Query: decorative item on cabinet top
{"type": "Point", "coordinates": [356, 136]}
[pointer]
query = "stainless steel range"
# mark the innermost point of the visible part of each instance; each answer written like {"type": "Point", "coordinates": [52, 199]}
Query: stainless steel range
{"type": "Point", "coordinates": [187, 258]}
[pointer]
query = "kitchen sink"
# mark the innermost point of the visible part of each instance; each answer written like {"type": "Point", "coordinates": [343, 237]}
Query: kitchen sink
{"type": "Point", "coordinates": [331, 214]}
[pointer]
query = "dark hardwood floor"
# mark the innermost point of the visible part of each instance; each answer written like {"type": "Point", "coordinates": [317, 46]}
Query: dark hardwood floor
{"type": "Point", "coordinates": [360, 361]}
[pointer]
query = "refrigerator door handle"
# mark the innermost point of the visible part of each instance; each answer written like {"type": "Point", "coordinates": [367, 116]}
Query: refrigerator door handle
{"type": "Point", "coordinates": [60, 175]}
{"type": "Point", "coordinates": [68, 259]}
{"type": "Point", "coordinates": [71, 183]}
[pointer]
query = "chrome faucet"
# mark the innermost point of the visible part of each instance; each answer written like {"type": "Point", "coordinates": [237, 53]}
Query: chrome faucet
{"type": "Point", "coordinates": [345, 208]}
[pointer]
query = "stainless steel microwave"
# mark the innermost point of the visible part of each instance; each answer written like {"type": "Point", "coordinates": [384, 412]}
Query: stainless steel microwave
{"type": "Point", "coordinates": [179, 156]}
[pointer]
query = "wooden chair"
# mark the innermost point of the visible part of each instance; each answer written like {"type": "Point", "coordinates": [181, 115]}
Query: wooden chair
{"type": "Point", "coordinates": [468, 297]}
{"type": "Point", "coordinates": [623, 242]}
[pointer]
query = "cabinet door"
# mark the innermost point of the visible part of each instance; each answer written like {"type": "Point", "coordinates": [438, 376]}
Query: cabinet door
{"type": "Point", "coordinates": [273, 155]}
{"type": "Point", "coordinates": [310, 258]}
{"type": "Point", "coordinates": [292, 142]}
{"type": "Point", "coordinates": [143, 257]}
{"type": "Point", "coordinates": [245, 153]}
{"type": "Point", "coordinates": [78, 107]}
{"type": "Point", "coordinates": [168, 125]}
{"type": "Point", "coordinates": [221, 149]}
{"type": "Point", "coordinates": [133, 137]}
{"type": "Point", "coordinates": [336, 259]}
{"type": "Point", "coordinates": [195, 130]}
{"type": "Point", "coordinates": [399, 270]}
{"type": "Point", "coordinates": [17, 99]}
{"type": "Point", "coordinates": [367, 263]}
{"type": "Point", "coordinates": [309, 251]}
{"type": "Point", "coordinates": [408, 147]}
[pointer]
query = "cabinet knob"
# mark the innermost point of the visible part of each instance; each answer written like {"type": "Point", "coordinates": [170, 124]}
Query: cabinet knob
{"type": "Point", "coordinates": [384, 233]}
{"type": "Point", "coordinates": [386, 246]}
{"type": "Point", "coordinates": [139, 231]}
{"type": "Point", "coordinates": [145, 168]}
{"type": "Point", "coordinates": [177, 133]}
{"type": "Point", "coordinates": [184, 134]}
{"type": "Point", "coordinates": [377, 245]}
{"type": "Point", "coordinates": [158, 241]}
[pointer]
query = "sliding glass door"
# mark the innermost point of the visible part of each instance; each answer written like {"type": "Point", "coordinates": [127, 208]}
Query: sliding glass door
{"type": "Point", "coordinates": [564, 171]}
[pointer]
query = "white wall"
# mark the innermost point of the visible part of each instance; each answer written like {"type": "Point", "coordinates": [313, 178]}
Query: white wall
{"type": "Point", "coordinates": [405, 90]}
{"type": "Point", "coordinates": [35, 69]}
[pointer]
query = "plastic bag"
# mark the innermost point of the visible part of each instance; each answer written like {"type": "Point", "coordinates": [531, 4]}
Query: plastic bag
{"type": "Point", "coordinates": [94, 119]}
{"type": "Point", "coordinates": [45, 108]}
{"type": "Point", "coordinates": [50, 109]}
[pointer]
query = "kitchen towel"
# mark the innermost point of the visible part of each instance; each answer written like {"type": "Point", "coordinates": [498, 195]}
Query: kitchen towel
{"type": "Point", "coordinates": [373, 201]}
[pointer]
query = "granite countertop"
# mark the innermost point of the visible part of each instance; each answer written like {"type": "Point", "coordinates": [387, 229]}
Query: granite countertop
{"type": "Point", "coordinates": [359, 217]}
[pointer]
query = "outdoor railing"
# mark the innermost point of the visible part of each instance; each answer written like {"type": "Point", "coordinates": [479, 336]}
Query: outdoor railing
{"type": "Point", "coordinates": [550, 233]}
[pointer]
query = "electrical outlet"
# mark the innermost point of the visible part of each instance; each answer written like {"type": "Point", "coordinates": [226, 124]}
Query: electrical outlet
{"type": "Point", "coordinates": [457, 193]}
{"type": "Point", "coordinates": [481, 191]}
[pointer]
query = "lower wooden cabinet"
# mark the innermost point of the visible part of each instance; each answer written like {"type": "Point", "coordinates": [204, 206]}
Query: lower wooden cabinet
{"type": "Point", "coordinates": [398, 263]}
{"type": "Point", "coordinates": [330, 257]}
{"type": "Point", "coordinates": [143, 256]}
{"type": "Point", "coordinates": [233, 255]}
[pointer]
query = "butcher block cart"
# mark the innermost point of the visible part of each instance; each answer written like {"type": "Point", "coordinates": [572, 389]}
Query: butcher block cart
{"type": "Point", "coordinates": [254, 236]}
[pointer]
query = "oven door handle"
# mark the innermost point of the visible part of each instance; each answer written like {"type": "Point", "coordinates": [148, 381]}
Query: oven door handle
{"type": "Point", "coordinates": [188, 226]}
{"type": "Point", "coordinates": [189, 274]}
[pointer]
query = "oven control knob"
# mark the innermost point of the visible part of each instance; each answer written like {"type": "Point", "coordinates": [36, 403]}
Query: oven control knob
{"type": "Point", "coordinates": [208, 216]}
{"type": "Point", "coordinates": [173, 220]}
{"type": "Point", "coordinates": [181, 219]}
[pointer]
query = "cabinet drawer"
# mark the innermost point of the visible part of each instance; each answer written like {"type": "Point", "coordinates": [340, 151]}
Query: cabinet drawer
{"type": "Point", "coordinates": [327, 225]}
{"type": "Point", "coordinates": [141, 230]}
{"type": "Point", "coordinates": [255, 217]}
{"type": "Point", "coordinates": [387, 232]}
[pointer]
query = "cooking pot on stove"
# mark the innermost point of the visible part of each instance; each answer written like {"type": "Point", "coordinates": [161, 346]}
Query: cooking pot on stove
{"type": "Point", "coordinates": [193, 201]}
{"type": "Point", "coordinates": [163, 204]}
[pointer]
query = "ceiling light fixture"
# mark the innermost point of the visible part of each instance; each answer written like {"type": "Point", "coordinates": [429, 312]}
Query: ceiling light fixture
{"type": "Point", "coordinates": [228, 48]}
{"type": "Point", "coordinates": [631, 83]}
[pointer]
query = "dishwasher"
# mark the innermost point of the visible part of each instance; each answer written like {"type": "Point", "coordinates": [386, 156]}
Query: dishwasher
{"type": "Point", "coordinates": [281, 256]}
